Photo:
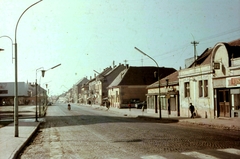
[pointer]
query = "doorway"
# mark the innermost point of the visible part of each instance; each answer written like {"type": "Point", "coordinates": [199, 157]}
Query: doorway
{"type": "Point", "coordinates": [156, 105]}
{"type": "Point", "coordinates": [224, 103]}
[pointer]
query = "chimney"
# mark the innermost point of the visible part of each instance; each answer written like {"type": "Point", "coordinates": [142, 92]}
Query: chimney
{"type": "Point", "coordinates": [127, 66]}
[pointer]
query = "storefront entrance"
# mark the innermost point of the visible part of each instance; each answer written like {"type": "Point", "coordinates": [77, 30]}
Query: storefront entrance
{"type": "Point", "coordinates": [223, 103]}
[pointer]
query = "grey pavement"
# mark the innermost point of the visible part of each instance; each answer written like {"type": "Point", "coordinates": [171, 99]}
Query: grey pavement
{"type": "Point", "coordinates": [11, 146]}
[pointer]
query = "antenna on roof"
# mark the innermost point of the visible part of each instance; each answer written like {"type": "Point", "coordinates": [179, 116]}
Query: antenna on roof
{"type": "Point", "coordinates": [125, 61]}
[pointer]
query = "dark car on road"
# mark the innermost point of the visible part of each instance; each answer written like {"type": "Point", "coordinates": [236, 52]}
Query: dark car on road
{"type": "Point", "coordinates": [133, 101]}
{"type": "Point", "coordinates": [141, 104]}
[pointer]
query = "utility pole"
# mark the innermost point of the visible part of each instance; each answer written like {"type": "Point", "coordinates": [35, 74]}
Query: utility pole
{"type": "Point", "coordinates": [195, 51]}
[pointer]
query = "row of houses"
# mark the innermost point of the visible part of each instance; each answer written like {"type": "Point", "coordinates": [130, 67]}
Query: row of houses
{"type": "Point", "coordinates": [118, 84]}
{"type": "Point", "coordinates": [211, 83]}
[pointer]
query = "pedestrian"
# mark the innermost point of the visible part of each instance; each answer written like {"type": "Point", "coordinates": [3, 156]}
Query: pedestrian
{"type": "Point", "coordinates": [108, 104]}
{"type": "Point", "coordinates": [192, 109]}
{"type": "Point", "coordinates": [129, 106]}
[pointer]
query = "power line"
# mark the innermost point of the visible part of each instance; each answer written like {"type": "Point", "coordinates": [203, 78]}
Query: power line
{"type": "Point", "coordinates": [169, 53]}
{"type": "Point", "coordinates": [221, 34]}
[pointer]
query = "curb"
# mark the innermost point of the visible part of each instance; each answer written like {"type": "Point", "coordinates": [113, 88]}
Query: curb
{"type": "Point", "coordinates": [19, 150]}
{"type": "Point", "coordinates": [163, 120]}
{"type": "Point", "coordinates": [210, 125]}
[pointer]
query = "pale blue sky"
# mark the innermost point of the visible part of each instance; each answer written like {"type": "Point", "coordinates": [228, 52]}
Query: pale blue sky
{"type": "Point", "coordinates": [87, 35]}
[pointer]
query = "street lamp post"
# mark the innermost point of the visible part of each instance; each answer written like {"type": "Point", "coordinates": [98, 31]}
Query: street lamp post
{"type": "Point", "coordinates": [159, 102]}
{"type": "Point", "coordinates": [16, 80]}
{"type": "Point", "coordinates": [43, 73]}
{"type": "Point", "coordinates": [36, 85]}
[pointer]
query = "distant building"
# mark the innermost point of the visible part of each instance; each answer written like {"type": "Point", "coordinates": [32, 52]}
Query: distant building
{"type": "Point", "coordinates": [26, 93]}
{"type": "Point", "coordinates": [131, 84]}
{"type": "Point", "coordinates": [77, 88]}
{"type": "Point", "coordinates": [98, 86]}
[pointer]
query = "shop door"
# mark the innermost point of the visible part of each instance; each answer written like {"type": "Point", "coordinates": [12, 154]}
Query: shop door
{"type": "Point", "coordinates": [156, 104]}
{"type": "Point", "coordinates": [224, 104]}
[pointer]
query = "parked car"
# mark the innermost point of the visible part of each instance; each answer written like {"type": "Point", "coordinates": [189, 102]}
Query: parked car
{"type": "Point", "coordinates": [141, 104]}
{"type": "Point", "coordinates": [133, 101]}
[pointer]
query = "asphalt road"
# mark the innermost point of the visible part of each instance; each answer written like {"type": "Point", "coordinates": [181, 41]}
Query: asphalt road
{"type": "Point", "coordinates": [86, 132]}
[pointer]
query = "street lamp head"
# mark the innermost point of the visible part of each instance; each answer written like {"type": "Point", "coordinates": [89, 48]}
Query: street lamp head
{"type": "Point", "coordinates": [43, 71]}
{"type": "Point", "coordinates": [1, 49]}
{"type": "Point", "coordinates": [140, 51]}
{"type": "Point", "coordinates": [55, 66]}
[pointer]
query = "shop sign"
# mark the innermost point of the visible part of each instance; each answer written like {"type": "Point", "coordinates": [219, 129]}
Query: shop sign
{"type": "Point", "coordinates": [216, 65]}
{"type": "Point", "coordinates": [233, 81]}
{"type": "Point", "coordinates": [3, 85]}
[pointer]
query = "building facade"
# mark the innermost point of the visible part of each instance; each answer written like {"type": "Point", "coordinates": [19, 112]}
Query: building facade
{"type": "Point", "coordinates": [169, 96]}
{"type": "Point", "coordinates": [226, 66]}
{"type": "Point", "coordinates": [26, 93]}
{"type": "Point", "coordinates": [131, 84]}
{"type": "Point", "coordinates": [195, 86]}
{"type": "Point", "coordinates": [211, 82]}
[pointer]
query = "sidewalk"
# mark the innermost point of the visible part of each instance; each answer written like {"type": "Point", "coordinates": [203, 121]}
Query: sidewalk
{"type": "Point", "coordinates": [11, 146]}
{"type": "Point", "coordinates": [219, 123]}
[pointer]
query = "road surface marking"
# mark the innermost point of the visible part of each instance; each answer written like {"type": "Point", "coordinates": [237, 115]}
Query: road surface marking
{"type": "Point", "coordinates": [153, 157]}
{"type": "Point", "coordinates": [231, 150]}
{"type": "Point", "coordinates": [198, 155]}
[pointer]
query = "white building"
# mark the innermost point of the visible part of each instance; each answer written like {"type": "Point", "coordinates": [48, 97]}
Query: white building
{"type": "Point", "coordinates": [226, 80]}
{"type": "Point", "coordinates": [211, 82]}
{"type": "Point", "coordinates": [195, 86]}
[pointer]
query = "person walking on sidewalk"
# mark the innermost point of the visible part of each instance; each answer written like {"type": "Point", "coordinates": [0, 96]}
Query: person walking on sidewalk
{"type": "Point", "coordinates": [108, 104]}
{"type": "Point", "coordinates": [129, 106]}
{"type": "Point", "coordinates": [192, 109]}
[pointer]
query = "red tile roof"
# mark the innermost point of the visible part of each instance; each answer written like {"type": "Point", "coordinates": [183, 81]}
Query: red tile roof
{"type": "Point", "coordinates": [140, 76]}
{"type": "Point", "coordinates": [172, 80]}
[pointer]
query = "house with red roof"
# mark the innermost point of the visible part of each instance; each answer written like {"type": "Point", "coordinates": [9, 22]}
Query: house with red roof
{"type": "Point", "coordinates": [131, 84]}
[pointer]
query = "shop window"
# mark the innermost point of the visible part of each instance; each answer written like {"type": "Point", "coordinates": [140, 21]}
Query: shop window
{"type": "Point", "coordinates": [200, 88]}
{"type": "Point", "coordinates": [187, 89]}
{"type": "Point", "coordinates": [173, 104]}
{"type": "Point", "coordinates": [163, 103]}
{"type": "Point", "coordinates": [205, 88]}
{"type": "Point", "coordinates": [151, 102]}
{"type": "Point", "coordinates": [3, 91]}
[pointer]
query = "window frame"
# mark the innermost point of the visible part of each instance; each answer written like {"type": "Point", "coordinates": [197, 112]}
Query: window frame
{"type": "Point", "coordinates": [187, 89]}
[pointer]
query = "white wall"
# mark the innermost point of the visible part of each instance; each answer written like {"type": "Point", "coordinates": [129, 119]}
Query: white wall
{"type": "Point", "coordinates": [203, 105]}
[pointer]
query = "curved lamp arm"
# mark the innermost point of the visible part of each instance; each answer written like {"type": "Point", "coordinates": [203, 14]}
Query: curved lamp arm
{"type": "Point", "coordinates": [5, 36]}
